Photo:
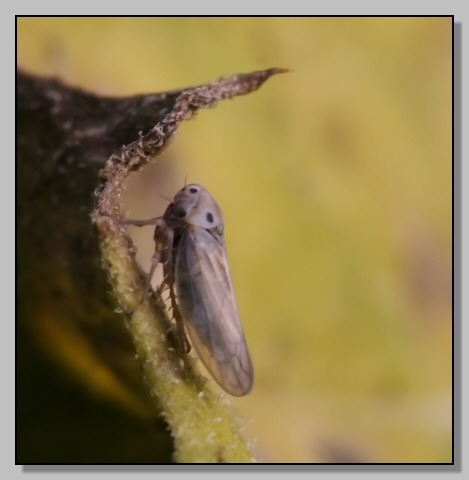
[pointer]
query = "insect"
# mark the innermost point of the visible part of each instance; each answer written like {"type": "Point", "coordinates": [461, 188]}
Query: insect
{"type": "Point", "coordinates": [189, 243]}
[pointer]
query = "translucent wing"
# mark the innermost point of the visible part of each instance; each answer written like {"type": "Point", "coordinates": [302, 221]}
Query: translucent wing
{"type": "Point", "coordinates": [208, 306]}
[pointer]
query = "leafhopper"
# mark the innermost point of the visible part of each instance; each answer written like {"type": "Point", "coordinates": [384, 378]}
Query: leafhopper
{"type": "Point", "coordinates": [190, 246]}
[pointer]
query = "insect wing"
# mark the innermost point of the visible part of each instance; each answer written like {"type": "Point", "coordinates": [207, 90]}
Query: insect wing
{"type": "Point", "coordinates": [208, 307]}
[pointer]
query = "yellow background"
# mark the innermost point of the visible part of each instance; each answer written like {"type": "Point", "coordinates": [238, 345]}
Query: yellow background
{"type": "Point", "coordinates": [335, 183]}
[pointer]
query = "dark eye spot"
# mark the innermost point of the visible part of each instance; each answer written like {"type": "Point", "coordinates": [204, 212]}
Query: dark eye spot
{"type": "Point", "coordinates": [193, 190]}
{"type": "Point", "coordinates": [209, 217]}
{"type": "Point", "coordinates": [181, 212]}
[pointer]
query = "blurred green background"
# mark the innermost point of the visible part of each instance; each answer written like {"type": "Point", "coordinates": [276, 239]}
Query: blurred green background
{"type": "Point", "coordinates": [335, 183]}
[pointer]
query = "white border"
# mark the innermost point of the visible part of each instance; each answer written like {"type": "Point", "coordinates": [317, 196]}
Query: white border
{"type": "Point", "coordinates": [201, 7]}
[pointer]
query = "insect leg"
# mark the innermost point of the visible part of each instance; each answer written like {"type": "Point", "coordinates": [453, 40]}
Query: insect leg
{"type": "Point", "coordinates": [155, 260]}
{"type": "Point", "coordinates": [168, 270]}
{"type": "Point", "coordinates": [141, 223]}
{"type": "Point", "coordinates": [183, 343]}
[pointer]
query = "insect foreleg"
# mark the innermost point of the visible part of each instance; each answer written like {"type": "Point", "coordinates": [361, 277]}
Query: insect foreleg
{"type": "Point", "coordinates": [141, 223]}
{"type": "Point", "coordinates": [155, 260]}
{"type": "Point", "coordinates": [157, 256]}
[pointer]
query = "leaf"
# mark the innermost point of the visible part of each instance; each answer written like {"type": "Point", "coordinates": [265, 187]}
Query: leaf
{"type": "Point", "coordinates": [75, 150]}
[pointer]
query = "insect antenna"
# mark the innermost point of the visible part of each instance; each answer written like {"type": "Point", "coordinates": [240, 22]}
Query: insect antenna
{"type": "Point", "coordinates": [165, 197]}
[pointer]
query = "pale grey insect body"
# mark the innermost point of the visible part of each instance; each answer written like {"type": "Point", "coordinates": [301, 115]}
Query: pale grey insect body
{"type": "Point", "coordinates": [189, 242]}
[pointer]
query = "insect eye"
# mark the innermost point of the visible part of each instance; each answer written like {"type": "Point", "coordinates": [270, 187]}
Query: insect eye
{"type": "Point", "coordinates": [193, 190]}
{"type": "Point", "coordinates": [209, 217]}
{"type": "Point", "coordinates": [181, 212]}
